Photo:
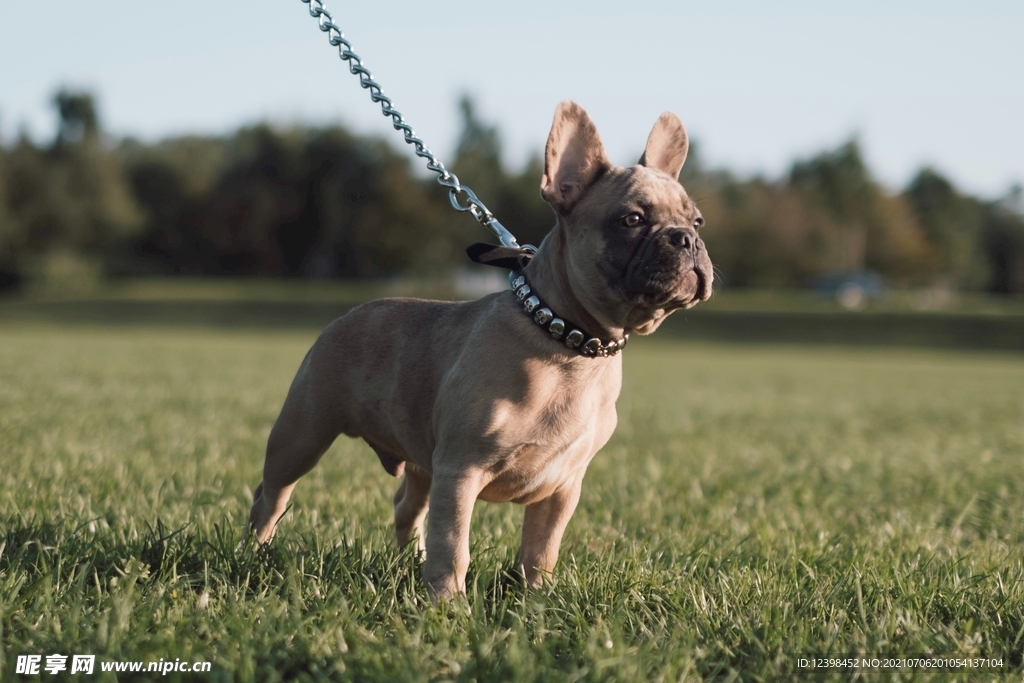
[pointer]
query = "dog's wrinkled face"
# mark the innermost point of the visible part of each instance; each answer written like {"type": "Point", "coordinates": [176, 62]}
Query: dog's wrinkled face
{"type": "Point", "coordinates": [639, 235]}
{"type": "Point", "coordinates": [634, 254]}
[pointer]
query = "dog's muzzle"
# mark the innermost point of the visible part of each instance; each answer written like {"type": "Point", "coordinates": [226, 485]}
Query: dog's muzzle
{"type": "Point", "coordinates": [673, 270]}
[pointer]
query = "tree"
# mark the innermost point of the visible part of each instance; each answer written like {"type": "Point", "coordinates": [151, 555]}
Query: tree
{"type": "Point", "coordinates": [954, 223]}
{"type": "Point", "coordinates": [1003, 232]}
{"type": "Point", "coordinates": [874, 229]}
{"type": "Point", "coordinates": [70, 197]}
{"type": "Point", "coordinates": [78, 120]}
{"type": "Point", "coordinates": [323, 202]}
{"type": "Point", "coordinates": [10, 234]}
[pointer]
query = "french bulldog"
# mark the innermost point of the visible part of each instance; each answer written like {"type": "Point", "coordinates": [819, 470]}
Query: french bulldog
{"type": "Point", "coordinates": [507, 398]}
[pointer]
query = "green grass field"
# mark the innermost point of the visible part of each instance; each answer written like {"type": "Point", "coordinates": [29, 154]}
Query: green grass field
{"type": "Point", "coordinates": [756, 502]}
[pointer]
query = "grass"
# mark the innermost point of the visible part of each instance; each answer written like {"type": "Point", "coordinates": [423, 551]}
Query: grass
{"type": "Point", "coordinates": [756, 502]}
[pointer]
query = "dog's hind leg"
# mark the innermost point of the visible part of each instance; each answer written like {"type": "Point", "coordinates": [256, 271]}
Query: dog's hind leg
{"type": "Point", "coordinates": [301, 435]}
{"type": "Point", "coordinates": [411, 501]}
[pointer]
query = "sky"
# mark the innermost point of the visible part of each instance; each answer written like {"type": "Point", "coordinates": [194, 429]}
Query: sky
{"type": "Point", "coordinates": [757, 84]}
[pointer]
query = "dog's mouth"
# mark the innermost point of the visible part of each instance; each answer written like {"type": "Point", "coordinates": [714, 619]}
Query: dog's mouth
{"type": "Point", "coordinates": [669, 280]}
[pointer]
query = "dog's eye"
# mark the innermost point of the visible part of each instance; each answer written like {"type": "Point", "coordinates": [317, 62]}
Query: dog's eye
{"type": "Point", "coordinates": [699, 222]}
{"type": "Point", "coordinates": [633, 220]}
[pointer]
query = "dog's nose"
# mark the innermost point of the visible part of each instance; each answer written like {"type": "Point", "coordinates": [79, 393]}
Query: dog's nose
{"type": "Point", "coordinates": [684, 238]}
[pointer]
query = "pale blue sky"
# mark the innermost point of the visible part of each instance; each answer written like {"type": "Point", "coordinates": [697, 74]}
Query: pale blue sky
{"type": "Point", "coordinates": [758, 84]}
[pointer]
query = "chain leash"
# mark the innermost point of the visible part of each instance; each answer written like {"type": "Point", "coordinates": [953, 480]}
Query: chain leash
{"type": "Point", "coordinates": [461, 197]}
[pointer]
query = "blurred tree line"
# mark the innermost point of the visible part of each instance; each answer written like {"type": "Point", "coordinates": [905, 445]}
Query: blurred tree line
{"type": "Point", "coordinates": [322, 202]}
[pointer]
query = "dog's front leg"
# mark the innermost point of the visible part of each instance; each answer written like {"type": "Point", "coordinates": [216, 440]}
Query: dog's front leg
{"type": "Point", "coordinates": [543, 526]}
{"type": "Point", "coordinates": [452, 495]}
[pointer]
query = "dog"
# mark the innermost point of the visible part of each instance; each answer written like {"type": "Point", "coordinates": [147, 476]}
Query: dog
{"type": "Point", "coordinates": [509, 397]}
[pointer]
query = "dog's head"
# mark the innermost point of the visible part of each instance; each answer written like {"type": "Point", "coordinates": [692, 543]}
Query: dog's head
{"type": "Point", "coordinates": [633, 251]}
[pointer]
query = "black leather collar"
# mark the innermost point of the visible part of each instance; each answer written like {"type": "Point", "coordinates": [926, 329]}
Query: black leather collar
{"type": "Point", "coordinates": [571, 334]}
{"type": "Point", "coordinates": [565, 331]}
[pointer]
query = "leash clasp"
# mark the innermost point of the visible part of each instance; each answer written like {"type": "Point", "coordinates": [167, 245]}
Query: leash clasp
{"type": "Point", "coordinates": [480, 212]}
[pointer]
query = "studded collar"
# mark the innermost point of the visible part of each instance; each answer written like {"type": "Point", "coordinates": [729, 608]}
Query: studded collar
{"type": "Point", "coordinates": [562, 330]}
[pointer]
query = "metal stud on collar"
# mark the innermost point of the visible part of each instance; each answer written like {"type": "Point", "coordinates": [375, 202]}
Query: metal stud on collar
{"type": "Point", "coordinates": [543, 316]}
{"type": "Point", "coordinates": [575, 339]}
{"type": "Point", "coordinates": [557, 328]}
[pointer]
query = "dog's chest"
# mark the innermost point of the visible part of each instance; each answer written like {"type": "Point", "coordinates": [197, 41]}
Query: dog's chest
{"type": "Point", "coordinates": [553, 451]}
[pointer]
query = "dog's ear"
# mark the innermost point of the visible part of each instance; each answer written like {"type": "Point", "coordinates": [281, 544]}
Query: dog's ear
{"type": "Point", "coordinates": [667, 145]}
{"type": "Point", "coordinates": [573, 158]}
